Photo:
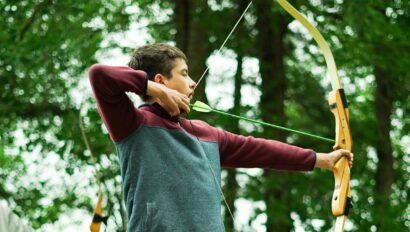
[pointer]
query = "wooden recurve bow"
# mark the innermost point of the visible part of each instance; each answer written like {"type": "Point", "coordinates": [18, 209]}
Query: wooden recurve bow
{"type": "Point", "coordinates": [341, 200]}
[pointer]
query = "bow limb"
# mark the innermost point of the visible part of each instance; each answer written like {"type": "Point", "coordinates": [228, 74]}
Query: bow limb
{"type": "Point", "coordinates": [339, 107]}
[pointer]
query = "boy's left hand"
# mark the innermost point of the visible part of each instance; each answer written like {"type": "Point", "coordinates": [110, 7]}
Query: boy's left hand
{"type": "Point", "coordinates": [328, 160]}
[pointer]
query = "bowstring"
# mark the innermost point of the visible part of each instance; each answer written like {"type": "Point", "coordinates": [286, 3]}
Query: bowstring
{"type": "Point", "coordinates": [192, 127]}
{"type": "Point", "coordinates": [226, 39]}
{"type": "Point", "coordinates": [213, 172]}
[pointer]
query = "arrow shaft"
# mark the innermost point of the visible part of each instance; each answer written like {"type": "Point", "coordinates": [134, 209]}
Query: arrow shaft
{"type": "Point", "coordinates": [270, 125]}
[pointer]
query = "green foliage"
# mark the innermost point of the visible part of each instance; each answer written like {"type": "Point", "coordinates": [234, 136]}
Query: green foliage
{"type": "Point", "coordinates": [47, 46]}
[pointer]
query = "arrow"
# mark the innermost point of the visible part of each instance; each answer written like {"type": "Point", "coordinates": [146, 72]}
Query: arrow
{"type": "Point", "coordinates": [204, 108]}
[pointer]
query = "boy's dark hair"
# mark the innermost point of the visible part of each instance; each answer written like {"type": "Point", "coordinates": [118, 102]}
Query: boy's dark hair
{"type": "Point", "coordinates": [154, 59]}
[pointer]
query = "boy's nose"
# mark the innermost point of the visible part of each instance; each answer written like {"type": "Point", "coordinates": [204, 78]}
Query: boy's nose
{"type": "Point", "coordinates": [193, 84]}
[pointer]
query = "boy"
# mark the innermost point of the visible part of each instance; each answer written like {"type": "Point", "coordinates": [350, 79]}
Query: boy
{"type": "Point", "coordinates": [171, 166]}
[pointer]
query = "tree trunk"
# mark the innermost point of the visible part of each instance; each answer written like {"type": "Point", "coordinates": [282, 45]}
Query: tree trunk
{"type": "Point", "coordinates": [192, 39]}
{"type": "Point", "coordinates": [384, 172]}
{"type": "Point", "coordinates": [231, 186]}
{"type": "Point", "coordinates": [182, 24]}
{"type": "Point", "coordinates": [270, 48]}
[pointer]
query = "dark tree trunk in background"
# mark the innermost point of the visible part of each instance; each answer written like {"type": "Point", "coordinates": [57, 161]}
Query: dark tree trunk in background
{"type": "Point", "coordinates": [270, 47]}
{"type": "Point", "coordinates": [182, 24]}
{"type": "Point", "coordinates": [198, 49]}
{"type": "Point", "coordinates": [192, 39]}
{"type": "Point", "coordinates": [384, 172]}
{"type": "Point", "coordinates": [231, 186]}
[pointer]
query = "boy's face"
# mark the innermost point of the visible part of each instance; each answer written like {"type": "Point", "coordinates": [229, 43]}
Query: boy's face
{"type": "Point", "coordinates": [180, 80]}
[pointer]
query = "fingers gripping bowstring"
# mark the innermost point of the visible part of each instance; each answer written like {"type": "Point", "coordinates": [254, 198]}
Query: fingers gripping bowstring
{"type": "Point", "coordinates": [226, 39]}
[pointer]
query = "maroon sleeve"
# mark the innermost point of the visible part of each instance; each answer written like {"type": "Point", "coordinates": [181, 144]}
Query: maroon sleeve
{"type": "Point", "coordinates": [109, 84]}
{"type": "Point", "coordinates": [248, 152]}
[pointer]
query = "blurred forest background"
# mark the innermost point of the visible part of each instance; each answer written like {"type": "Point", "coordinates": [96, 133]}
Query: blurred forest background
{"type": "Point", "coordinates": [270, 69]}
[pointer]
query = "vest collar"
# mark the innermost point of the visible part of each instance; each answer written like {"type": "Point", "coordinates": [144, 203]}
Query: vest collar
{"type": "Point", "coordinates": [157, 109]}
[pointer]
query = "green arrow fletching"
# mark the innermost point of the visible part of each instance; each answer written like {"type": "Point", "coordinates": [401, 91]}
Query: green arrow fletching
{"type": "Point", "coordinates": [201, 107]}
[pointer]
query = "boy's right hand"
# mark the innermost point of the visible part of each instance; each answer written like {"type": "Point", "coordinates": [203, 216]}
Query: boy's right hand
{"type": "Point", "coordinates": [173, 101]}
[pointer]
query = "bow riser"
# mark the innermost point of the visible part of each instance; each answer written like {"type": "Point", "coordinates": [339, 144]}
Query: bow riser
{"type": "Point", "coordinates": [339, 107]}
{"type": "Point", "coordinates": [341, 195]}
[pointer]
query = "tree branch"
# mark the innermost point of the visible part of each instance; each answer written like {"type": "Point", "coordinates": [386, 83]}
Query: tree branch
{"type": "Point", "coordinates": [39, 7]}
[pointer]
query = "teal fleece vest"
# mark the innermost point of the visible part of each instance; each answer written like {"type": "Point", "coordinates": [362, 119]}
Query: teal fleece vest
{"type": "Point", "coordinates": [167, 183]}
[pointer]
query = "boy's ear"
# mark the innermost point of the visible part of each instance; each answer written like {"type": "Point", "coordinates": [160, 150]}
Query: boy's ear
{"type": "Point", "coordinates": [159, 78]}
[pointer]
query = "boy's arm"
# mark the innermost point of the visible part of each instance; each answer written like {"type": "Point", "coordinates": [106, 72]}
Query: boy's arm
{"type": "Point", "coordinates": [250, 152]}
{"type": "Point", "coordinates": [109, 85]}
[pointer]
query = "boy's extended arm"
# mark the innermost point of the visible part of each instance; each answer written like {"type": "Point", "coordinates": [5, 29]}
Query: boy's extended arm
{"type": "Point", "coordinates": [241, 151]}
{"type": "Point", "coordinates": [247, 151]}
{"type": "Point", "coordinates": [109, 84]}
